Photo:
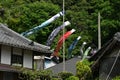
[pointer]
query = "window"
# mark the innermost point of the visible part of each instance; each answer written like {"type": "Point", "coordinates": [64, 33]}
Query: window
{"type": "Point", "coordinates": [17, 57]}
{"type": "Point", "coordinates": [17, 60]}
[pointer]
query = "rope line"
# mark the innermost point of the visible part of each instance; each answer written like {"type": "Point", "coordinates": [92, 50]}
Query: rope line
{"type": "Point", "coordinates": [113, 65]}
{"type": "Point", "coordinates": [103, 53]}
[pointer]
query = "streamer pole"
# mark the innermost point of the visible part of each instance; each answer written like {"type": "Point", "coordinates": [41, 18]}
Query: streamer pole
{"type": "Point", "coordinates": [63, 39]}
{"type": "Point", "coordinates": [99, 32]}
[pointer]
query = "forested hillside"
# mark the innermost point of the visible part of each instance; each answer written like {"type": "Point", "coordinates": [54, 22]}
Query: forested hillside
{"type": "Point", "coordinates": [22, 15]}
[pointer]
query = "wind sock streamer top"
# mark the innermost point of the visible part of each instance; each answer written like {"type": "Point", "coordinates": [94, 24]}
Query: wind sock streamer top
{"type": "Point", "coordinates": [82, 47]}
{"type": "Point", "coordinates": [72, 46]}
{"type": "Point", "coordinates": [86, 53]}
{"type": "Point", "coordinates": [55, 32]}
{"type": "Point", "coordinates": [31, 31]}
{"type": "Point", "coordinates": [61, 40]}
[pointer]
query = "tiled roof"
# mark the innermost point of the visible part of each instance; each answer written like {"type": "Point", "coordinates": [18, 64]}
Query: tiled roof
{"type": "Point", "coordinates": [11, 38]}
{"type": "Point", "coordinates": [102, 54]}
{"type": "Point", "coordinates": [70, 66]}
{"type": "Point", "coordinates": [107, 47]}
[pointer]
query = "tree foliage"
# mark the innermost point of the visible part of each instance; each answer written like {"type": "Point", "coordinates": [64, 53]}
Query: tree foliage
{"type": "Point", "coordinates": [22, 15]}
{"type": "Point", "coordinates": [72, 78]}
{"type": "Point", "coordinates": [83, 71]}
{"type": "Point", "coordinates": [64, 75]}
{"type": "Point", "coordinates": [26, 74]}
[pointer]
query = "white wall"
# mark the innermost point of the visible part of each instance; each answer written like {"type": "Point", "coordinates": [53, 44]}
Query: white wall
{"type": "Point", "coordinates": [6, 55]}
{"type": "Point", "coordinates": [17, 51]}
{"type": "Point", "coordinates": [27, 59]}
{"type": "Point", "coordinates": [39, 62]}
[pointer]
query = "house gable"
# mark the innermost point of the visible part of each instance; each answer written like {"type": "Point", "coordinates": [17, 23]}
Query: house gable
{"type": "Point", "coordinates": [104, 59]}
{"type": "Point", "coordinates": [16, 49]}
{"type": "Point", "coordinates": [11, 38]}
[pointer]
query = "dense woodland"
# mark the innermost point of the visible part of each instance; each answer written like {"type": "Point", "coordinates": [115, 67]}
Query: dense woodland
{"type": "Point", "coordinates": [22, 15]}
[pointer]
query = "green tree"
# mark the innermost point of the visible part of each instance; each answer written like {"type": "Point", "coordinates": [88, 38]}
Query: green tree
{"type": "Point", "coordinates": [23, 17]}
{"type": "Point", "coordinates": [109, 21]}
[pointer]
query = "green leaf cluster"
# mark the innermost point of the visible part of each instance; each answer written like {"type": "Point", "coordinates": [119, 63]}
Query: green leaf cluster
{"type": "Point", "coordinates": [64, 75]}
{"type": "Point", "coordinates": [83, 71]}
{"type": "Point", "coordinates": [72, 78]}
{"type": "Point", "coordinates": [26, 74]}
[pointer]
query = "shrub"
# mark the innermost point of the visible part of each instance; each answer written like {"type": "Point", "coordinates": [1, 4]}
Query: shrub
{"type": "Point", "coordinates": [83, 71]}
{"type": "Point", "coordinates": [116, 78]}
{"type": "Point", "coordinates": [55, 79]}
{"type": "Point", "coordinates": [27, 74]}
{"type": "Point", "coordinates": [64, 75]}
{"type": "Point", "coordinates": [33, 75]}
{"type": "Point", "coordinates": [72, 78]}
{"type": "Point", "coordinates": [45, 74]}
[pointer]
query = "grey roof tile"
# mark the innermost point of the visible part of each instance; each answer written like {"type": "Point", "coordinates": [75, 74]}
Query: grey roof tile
{"type": "Point", "coordinates": [108, 46]}
{"type": "Point", "coordinates": [11, 38]}
{"type": "Point", "coordinates": [70, 66]}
